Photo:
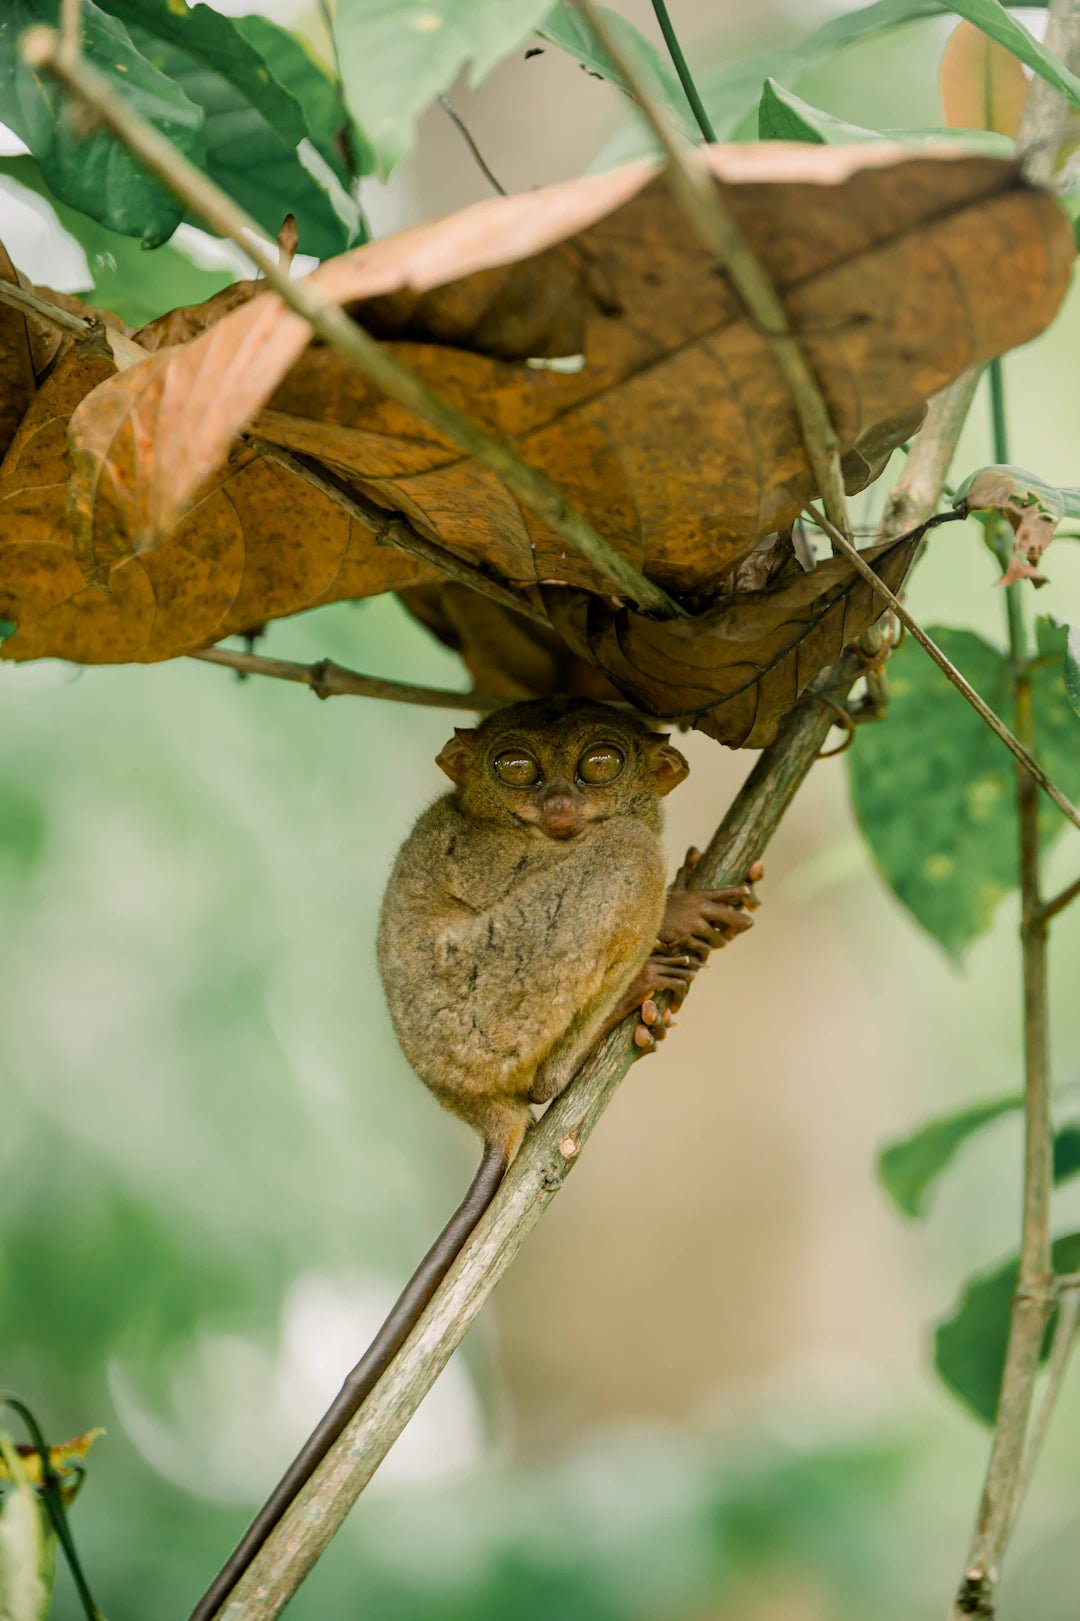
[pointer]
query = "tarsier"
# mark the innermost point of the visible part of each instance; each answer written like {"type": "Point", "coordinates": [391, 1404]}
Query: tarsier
{"type": "Point", "coordinates": [526, 915]}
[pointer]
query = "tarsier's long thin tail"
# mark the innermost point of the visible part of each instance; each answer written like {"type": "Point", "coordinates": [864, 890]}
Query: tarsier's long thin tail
{"type": "Point", "coordinates": [503, 1137]}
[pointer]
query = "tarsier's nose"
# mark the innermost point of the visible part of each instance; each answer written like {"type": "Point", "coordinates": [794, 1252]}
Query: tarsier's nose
{"type": "Point", "coordinates": [560, 810]}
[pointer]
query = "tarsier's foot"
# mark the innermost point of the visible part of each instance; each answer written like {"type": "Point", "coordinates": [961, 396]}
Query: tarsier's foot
{"type": "Point", "coordinates": [696, 921]}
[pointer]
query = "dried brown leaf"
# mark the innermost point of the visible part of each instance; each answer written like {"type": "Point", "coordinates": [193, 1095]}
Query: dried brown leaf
{"type": "Point", "coordinates": [736, 670]}
{"type": "Point", "coordinates": [982, 85]}
{"type": "Point", "coordinates": [17, 372]}
{"type": "Point", "coordinates": [258, 544]}
{"type": "Point", "coordinates": [677, 438]}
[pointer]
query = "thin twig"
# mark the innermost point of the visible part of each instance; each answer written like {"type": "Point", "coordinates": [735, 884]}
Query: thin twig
{"type": "Point", "coordinates": [532, 487]}
{"type": "Point", "coordinates": [696, 192]}
{"type": "Point", "coordinates": [946, 666]}
{"type": "Point", "coordinates": [1061, 1348]}
{"type": "Point", "coordinates": [682, 68]}
{"type": "Point", "coordinates": [550, 1152]}
{"type": "Point", "coordinates": [329, 680]}
{"type": "Point", "coordinates": [93, 336]}
{"type": "Point", "coordinates": [393, 529]}
{"type": "Point", "coordinates": [1059, 902]}
{"type": "Point", "coordinates": [466, 134]}
{"type": "Point", "coordinates": [1033, 1300]}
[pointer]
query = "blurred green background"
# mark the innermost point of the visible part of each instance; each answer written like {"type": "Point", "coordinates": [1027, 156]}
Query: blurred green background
{"type": "Point", "coordinates": [703, 1393]}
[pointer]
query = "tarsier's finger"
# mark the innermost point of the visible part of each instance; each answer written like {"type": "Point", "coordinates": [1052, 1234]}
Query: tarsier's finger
{"type": "Point", "coordinates": [644, 1038]}
{"type": "Point", "coordinates": [649, 1011]}
{"type": "Point", "coordinates": [734, 919]}
{"type": "Point", "coordinates": [669, 1017]}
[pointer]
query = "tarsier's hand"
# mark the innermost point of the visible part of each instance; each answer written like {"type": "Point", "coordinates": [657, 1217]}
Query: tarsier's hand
{"type": "Point", "coordinates": [695, 922]}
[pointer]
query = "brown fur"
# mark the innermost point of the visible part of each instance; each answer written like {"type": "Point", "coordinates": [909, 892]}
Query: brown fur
{"type": "Point", "coordinates": [504, 947]}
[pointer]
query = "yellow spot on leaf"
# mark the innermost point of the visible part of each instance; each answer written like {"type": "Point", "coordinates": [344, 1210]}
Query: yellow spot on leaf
{"type": "Point", "coordinates": [426, 22]}
{"type": "Point", "coordinates": [939, 867]}
{"type": "Point", "coordinates": [982, 797]}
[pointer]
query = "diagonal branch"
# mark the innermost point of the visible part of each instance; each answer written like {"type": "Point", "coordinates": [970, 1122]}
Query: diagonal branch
{"type": "Point", "coordinates": [41, 48]}
{"type": "Point", "coordinates": [720, 233]}
{"type": "Point", "coordinates": [551, 1150]}
{"type": "Point", "coordinates": [1022, 755]}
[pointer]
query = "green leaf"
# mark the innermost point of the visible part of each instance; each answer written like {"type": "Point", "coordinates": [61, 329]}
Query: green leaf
{"type": "Point", "coordinates": [1066, 1153]}
{"type": "Point", "coordinates": [981, 491]}
{"type": "Point", "coordinates": [135, 283]}
{"type": "Point", "coordinates": [783, 116]}
{"type": "Point", "coordinates": [969, 1344]}
{"type": "Point", "coordinates": [258, 144]}
{"type": "Point", "coordinates": [909, 1168]}
{"type": "Point", "coordinates": [934, 790]}
{"type": "Point", "coordinates": [397, 55]}
{"type": "Point", "coordinates": [93, 172]}
{"type": "Point", "coordinates": [1055, 636]}
{"type": "Point", "coordinates": [292, 64]}
{"type": "Point", "coordinates": [569, 29]}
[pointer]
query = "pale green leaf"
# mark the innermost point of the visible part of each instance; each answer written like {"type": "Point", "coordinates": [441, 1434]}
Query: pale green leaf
{"type": "Point", "coordinates": [969, 1344]}
{"type": "Point", "coordinates": [568, 28]}
{"type": "Point", "coordinates": [398, 55]}
{"type": "Point", "coordinates": [934, 790]}
{"type": "Point", "coordinates": [909, 1168]}
{"type": "Point", "coordinates": [135, 283]}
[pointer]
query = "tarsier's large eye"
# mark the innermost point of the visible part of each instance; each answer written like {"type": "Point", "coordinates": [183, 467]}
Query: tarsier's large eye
{"type": "Point", "coordinates": [602, 763]}
{"type": "Point", "coordinates": [516, 767]}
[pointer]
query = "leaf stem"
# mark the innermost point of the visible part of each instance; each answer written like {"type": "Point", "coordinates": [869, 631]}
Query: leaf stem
{"type": "Point", "coordinates": [1031, 766]}
{"type": "Point", "coordinates": [1014, 607]}
{"type": "Point", "coordinates": [40, 48]}
{"type": "Point", "coordinates": [1059, 902]}
{"type": "Point", "coordinates": [700, 200]}
{"type": "Point", "coordinates": [329, 680]}
{"type": "Point", "coordinates": [682, 68]}
{"type": "Point", "coordinates": [1012, 1454]}
{"type": "Point", "coordinates": [52, 1497]}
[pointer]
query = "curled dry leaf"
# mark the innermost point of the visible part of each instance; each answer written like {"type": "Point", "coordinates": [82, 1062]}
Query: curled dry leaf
{"type": "Point", "coordinates": [17, 371]}
{"type": "Point", "coordinates": [982, 85]}
{"type": "Point", "coordinates": [258, 544]}
{"type": "Point", "coordinates": [677, 437]}
{"type": "Point", "coordinates": [1032, 507]}
{"type": "Point", "coordinates": [734, 671]}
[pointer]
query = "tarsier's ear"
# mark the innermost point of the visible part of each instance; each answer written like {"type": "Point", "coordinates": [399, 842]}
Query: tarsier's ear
{"type": "Point", "coordinates": [666, 763]}
{"type": "Point", "coordinates": [454, 756]}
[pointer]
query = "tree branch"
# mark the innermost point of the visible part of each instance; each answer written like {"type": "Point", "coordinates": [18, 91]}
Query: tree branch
{"type": "Point", "coordinates": [1059, 902]}
{"type": "Point", "coordinates": [1022, 755]}
{"type": "Point", "coordinates": [696, 192]}
{"type": "Point", "coordinates": [551, 1149]}
{"type": "Point", "coordinates": [41, 48]}
{"type": "Point", "coordinates": [329, 680]}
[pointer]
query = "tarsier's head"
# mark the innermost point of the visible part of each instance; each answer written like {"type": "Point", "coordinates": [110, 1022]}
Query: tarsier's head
{"type": "Point", "coordinates": [560, 766]}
